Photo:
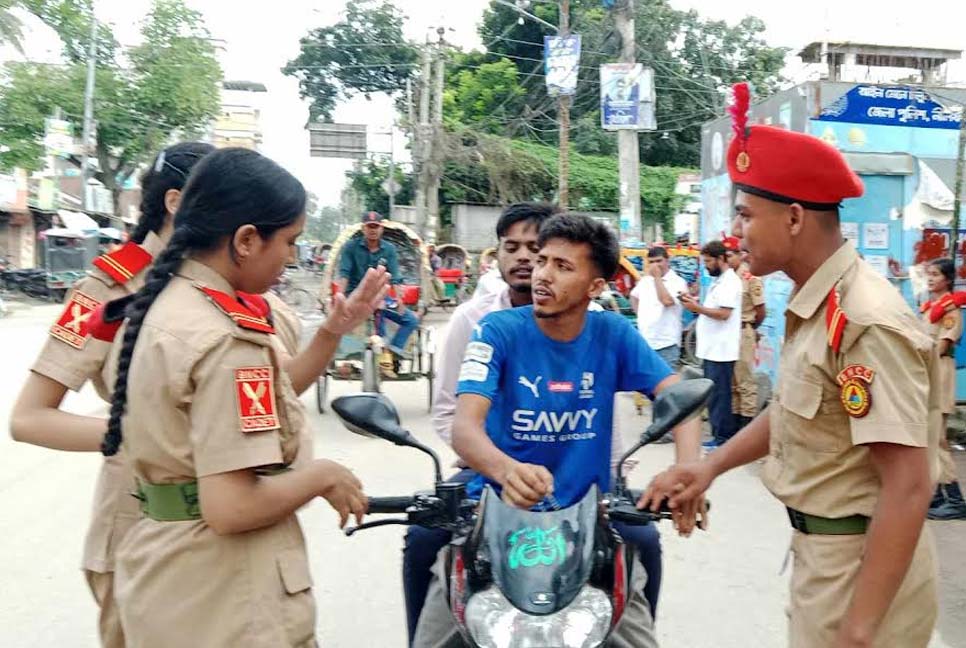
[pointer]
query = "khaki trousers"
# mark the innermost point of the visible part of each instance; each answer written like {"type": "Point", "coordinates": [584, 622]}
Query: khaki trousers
{"type": "Point", "coordinates": [821, 588]}
{"type": "Point", "coordinates": [109, 619]}
{"type": "Point", "coordinates": [744, 387]}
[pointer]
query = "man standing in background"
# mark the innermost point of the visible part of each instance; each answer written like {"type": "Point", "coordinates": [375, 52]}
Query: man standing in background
{"type": "Point", "coordinates": [744, 393]}
{"type": "Point", "coordinates": [718, 330]}
{"type": "Point", "coordinates": [655, 300]}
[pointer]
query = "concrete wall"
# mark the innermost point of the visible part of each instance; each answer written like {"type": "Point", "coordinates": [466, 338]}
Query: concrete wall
{"type": "Point", "coordinates": [474, 226]}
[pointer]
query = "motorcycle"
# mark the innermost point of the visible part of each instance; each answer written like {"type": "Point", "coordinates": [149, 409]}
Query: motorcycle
{"type": "Point", "coordinates": [525, 578]}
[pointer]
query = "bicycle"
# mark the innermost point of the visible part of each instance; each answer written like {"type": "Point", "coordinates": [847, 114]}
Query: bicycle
{"type": "Point", "coordinates": [300, 299]}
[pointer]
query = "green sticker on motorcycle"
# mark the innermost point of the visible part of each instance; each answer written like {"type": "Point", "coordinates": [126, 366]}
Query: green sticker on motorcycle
{"type": "Point", "coordinates": [530, 547]}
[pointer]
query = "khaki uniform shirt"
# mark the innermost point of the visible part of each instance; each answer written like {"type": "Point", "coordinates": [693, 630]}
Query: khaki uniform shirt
{"type": "Point", "coordinates": [818, 462]}
{"type": "Point", "coordinates": [207, 396]}
{"type": "Point", "coordinates": [72, 357]}
{"type": "Point", "coordinates": [752, 294]}
{"type": "Point", "coordinates": [948, 327]}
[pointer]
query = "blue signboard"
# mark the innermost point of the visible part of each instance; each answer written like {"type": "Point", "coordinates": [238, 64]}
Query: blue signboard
{"type": "Point", "coordinates": [890, 106]}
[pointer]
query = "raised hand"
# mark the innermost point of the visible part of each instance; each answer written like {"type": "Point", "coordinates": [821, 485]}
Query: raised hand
{"type": "Point", "coordinates": [346, 313]}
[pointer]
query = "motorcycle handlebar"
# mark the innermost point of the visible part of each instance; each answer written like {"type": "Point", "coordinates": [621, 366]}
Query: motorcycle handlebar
{"type": "Point", "coordinates": [390, 504]}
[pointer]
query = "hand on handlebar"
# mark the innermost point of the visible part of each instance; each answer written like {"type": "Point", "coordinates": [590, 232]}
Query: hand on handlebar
{"type": "Point", "coordinates": [683, 485]}
{"type": "Point", "coordinates": [346, 313]}
{"type": "Point", "coordinates": [526, 485]}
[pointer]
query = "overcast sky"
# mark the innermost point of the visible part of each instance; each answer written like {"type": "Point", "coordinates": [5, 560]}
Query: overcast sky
{"type": "Point", "coordinates": [260, 36]}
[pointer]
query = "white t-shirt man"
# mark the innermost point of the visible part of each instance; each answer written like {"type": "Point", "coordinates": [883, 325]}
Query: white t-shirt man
{"type": "Point", "coordinates": [660, 325]}
{"type": "Point", "coordinates": [720, 340]}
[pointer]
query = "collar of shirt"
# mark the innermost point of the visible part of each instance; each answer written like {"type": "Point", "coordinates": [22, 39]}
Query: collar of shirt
{"type": "Point", "coordinates": [816, 290]}
{"type": "Point", "coordinates": [365, 245]}
{"type": "Point", "coordinates": [153, 245]}
{"type": "Point", "coordinates": [205, 275]}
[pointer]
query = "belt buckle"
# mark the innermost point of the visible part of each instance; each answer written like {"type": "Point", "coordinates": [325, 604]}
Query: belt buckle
{"type": "Point", "coordinates": [797, 519]}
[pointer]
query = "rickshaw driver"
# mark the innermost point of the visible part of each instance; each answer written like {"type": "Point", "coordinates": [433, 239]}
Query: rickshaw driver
{"type": "Point", "coordinates": [371, 251]}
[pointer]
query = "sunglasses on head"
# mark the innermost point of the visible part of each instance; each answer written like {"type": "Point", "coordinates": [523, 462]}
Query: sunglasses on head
{"type": "Point", "coordinates": [163, 161]}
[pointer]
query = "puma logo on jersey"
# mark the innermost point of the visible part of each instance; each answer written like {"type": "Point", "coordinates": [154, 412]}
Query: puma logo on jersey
{"type": "Point", "coordinates": [532, 386]}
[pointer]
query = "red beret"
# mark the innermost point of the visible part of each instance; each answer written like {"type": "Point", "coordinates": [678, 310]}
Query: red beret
{"type": "Point", "coordinates": [732, 243]}
{"type": "Point", "coordinates": [785, 166]}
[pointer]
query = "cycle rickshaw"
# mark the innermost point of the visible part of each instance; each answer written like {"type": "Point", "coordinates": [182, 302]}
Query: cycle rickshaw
{"type": "Point", "coordinates": [359, 353]}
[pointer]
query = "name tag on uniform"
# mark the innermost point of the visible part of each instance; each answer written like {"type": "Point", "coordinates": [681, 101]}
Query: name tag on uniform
{"type": "Point", "coordinates": [255, 396]}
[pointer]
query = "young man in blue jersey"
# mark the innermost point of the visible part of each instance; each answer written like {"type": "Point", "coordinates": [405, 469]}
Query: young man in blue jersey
{"type": "Point", "coordinates": [535, 405]}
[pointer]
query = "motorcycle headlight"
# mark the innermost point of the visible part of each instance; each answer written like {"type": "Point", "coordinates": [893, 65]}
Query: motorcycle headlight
{"type": "Point", "coordinates": [494, 622]}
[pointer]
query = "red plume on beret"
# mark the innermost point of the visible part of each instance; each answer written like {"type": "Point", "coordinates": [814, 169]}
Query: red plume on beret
{"type": "Point", "coordinates": [739, 110]}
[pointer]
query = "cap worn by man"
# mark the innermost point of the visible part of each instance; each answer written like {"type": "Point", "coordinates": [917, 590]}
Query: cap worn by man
{"type": "Point", "coordinates": [373, 217]}
{"type": "Point", "coordinates": [784, 166]}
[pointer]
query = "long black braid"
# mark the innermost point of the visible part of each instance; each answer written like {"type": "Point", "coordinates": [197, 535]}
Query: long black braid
{"type": "Point", "coordinates": [169, 170]}
{"type": "Point", "coordinates": [227, 190]}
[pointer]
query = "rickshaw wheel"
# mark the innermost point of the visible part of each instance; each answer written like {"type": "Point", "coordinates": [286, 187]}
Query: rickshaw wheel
{"type": "Point", "coordinates": [322, 392]}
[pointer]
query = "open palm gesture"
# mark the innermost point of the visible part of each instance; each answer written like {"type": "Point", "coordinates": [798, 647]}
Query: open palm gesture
{"type": "Point", "coordinates": [346, 313]}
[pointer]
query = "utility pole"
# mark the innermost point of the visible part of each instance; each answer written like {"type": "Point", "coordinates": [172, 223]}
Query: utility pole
{"type": "Point", "coordinates": [89, 108]}
{"type": "Point", "coordinates": [437, 152]}
{"type": "Point", "coordinates": [392, 169]}
{"type": "Point", "coordinates": [423, 142]}
{"type": "Point", "coordinates": [627, 141]}
{"type": "Point", "coordinates": [563, 112]}
{"type": "Point", "coordinates": [960, 171]}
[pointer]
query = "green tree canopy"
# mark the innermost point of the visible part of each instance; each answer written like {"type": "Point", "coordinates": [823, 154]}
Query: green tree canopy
{"type": "Point", "coordinates": [364, 53]}
{"type": "Point", "coordinates": [168, 86]}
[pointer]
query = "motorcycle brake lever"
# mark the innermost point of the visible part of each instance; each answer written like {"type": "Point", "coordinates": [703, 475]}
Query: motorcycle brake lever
{"type": "Point", "coordinates": [378, 523]}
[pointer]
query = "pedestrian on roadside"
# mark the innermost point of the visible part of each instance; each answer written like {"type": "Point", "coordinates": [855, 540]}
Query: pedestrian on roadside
{"type": "Point", "coordinates": [849, 440]}
{"type": "Point", "coordinates": [72, 356]}
{"type": "Point", "coordinates": [944, 322]}
{"type": "Point", "coordinates": [656, 300]}
{"type": "Point", "coordinates": [718, 335]}
{"type": "Point", "coordinates": [744, 391]}
{"type": "Point", "coordinates": [209, 417]}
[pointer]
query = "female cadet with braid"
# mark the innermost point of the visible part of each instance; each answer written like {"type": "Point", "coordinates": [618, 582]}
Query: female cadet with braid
{"type": "Point", "coordinates": [212, 425]}
{"type": "Point", "coordinates": [72, 356]}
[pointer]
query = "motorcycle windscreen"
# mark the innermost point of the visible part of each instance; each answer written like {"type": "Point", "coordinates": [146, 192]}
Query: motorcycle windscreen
{"type": "Point", "coordinates": [540, 560]}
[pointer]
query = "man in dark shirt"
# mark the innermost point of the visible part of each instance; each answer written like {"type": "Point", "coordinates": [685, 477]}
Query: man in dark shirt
{"type": "Point", "coordinates": [371, 251]}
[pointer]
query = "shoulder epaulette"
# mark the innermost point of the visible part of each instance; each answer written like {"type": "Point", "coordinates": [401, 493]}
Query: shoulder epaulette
{"type": "Point", "coordinates": [121, 265]}
{"type": "Point", "coordinates": [242, 315]}
{"type": "Point", "coordinates": [835, 320]}
{"type": "Point", "coordinates": [945, 304]}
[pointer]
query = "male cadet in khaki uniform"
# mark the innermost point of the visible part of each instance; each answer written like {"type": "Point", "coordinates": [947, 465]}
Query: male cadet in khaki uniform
{"type": "Point", "coordinates": [744, 387]}
{"type": "Point", "coordinates": [849, 450]}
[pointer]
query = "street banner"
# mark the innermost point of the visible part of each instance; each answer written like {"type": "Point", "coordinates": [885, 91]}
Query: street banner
{"type": "Point", "coordinates": [59, 137]}
{"type": "Point", "coordinates": [891, 106]}
{"type": "Point", "coordinates": [561, 55]}
{"type": "Point", "coordinates": [626, 97]}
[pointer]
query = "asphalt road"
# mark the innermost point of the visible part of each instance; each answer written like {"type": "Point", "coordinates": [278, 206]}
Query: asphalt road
{"type": "Point", "coordinates": [722, 589]}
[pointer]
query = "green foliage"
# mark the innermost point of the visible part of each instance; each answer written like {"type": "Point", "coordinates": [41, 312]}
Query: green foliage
{"type": "Point", "coordinates": [367, 183]}
{"type": "Point", "coordinates": [167, 86]}
{"type": "Point", "coordinates": [71, 20]}
{"type": "Point", "coordinates": [324, 225]}
{"type": "Point", "coordinates": [11, 28]}
{"type": "Point", "coordinates": [694, 60]}
{"type": "Point", "coordinates": [487, 96]}
{"type": "Point", "coordinates": [364, 53]}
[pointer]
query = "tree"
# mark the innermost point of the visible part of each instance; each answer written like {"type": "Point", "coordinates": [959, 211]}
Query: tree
{"type": "Point", "coordinates": [324, 225]}
{"type": "Point", "coordinates": [364, 53]}
{"type": "Point", "coordinates": [168, 86]}
{"type": "Point", "coordinates": [11, 28]}
{"type": "Point", "coordinates": [488, 96]}
{"type": "Point", "coordinates": [366, 181]}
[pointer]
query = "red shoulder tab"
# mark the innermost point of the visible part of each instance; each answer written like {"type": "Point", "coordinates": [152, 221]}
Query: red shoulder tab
{"type": "Point", "coordinates": [835, 321]}
{"type": "Point", "coordinates": [124, 263]}
{"type": "Point", "coordinates": [257, 303]}
{"type": "Point", "coordinates": [242, 315]}
{"type": "Point", "coordinates": [925, 307]}
{"type": "Point", "coordinates": [945, 304]}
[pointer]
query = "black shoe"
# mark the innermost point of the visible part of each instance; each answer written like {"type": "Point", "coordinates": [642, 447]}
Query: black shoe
{"type": "Point", "coordinates": [938, 498]}
{"type": "Point", "coordinates": [949, 511]}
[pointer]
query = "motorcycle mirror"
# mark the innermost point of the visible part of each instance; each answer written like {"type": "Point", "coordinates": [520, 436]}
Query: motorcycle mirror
{"type": "Point", "coordinates": [676, 404]}
{"type": "Point", "coordinates": [372, 415]}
